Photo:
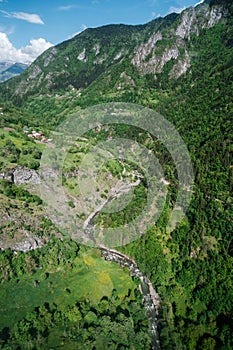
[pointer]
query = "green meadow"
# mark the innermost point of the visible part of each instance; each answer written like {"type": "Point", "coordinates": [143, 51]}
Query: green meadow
{"type": "Point", "coordinates": [90, 278]}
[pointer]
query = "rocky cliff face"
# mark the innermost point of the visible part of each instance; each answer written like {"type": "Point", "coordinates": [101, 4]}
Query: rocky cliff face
{"type": "Point", "coordinates": [21, 175]}
{"type": "Point", "coordinates": [21, 220]}
{"type": "Point", "coordinates": [23, 244]}
{"type": "Point", "coordinates": [149, 58]}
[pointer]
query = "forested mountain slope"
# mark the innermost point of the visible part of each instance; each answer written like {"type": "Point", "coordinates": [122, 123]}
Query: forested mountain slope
{"type": "Point", "coordinates": [116, 52]}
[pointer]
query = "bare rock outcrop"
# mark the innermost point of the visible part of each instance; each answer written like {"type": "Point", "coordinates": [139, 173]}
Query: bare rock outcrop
{"type": "Point", "coordinates": [150, 58]}
{"type": "Point", "coordinates": [22, 175]}
{"type": "Point", "coordinates": [29, 243]}
{"type": "Point", "coordinates": [145, 49]}
{"type": "Point", "coordinates": [188, 24]}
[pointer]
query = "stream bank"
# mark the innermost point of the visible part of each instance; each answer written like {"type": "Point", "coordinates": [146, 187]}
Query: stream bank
{"type": "Point", "coordinates": [151, 298]}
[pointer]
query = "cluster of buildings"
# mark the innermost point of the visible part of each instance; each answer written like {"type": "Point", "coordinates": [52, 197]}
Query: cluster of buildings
{"type": "Point", "coordinates": [37, 135]}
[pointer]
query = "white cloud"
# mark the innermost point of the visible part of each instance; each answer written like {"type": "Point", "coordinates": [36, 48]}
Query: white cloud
{"type": "Point", "coordinates": [66, 8]}
{"type": "Point", "coordinates": [176, 9]}
{"type": "Point", "coordinates": [36, 47]}
{"type": "Point", "coordinates": [25, 54]}
{"type": "Point", "coordinates": [29, 17]}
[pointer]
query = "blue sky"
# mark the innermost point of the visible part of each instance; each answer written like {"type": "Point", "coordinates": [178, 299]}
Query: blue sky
{"type": "Point", "coordinates": [27, 27]}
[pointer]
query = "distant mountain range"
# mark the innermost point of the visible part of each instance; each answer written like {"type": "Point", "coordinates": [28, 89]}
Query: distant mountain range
{"type": "Point", "coordinates": [9, 70]}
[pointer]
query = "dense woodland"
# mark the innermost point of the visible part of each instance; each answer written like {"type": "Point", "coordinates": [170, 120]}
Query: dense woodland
{"type": "Point", "coordinates": [191, 267]}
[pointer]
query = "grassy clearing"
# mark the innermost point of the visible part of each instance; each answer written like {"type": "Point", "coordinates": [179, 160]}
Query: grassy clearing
{"type": "Point", "coordinates": [17, 149]}
{"type": "Point", "coordinates": [91, 278]}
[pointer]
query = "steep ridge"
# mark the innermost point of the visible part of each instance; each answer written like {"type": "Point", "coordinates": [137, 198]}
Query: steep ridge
{"type": "Point", "coordinates": [146, 49]}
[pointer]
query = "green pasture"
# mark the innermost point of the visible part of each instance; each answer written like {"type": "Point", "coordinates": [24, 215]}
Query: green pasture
{"type": "Point", "coordinates": [91, 278]}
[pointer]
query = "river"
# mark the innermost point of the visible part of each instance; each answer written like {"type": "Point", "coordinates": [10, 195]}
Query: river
{"type": "Point", "coordinates": [151, 298]}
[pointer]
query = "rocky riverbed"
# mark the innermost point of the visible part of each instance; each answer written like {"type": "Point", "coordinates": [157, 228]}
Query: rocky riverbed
{"type": "Point", "coordinates": [151, 298]}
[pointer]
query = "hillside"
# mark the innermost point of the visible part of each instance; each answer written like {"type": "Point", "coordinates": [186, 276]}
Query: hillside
{"type": "Point", "coordinates": [118, 62]}
{"type": "Point", "coordinates": [118, 50]}
{"type": "Point", "coordinates": [182, 67]}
